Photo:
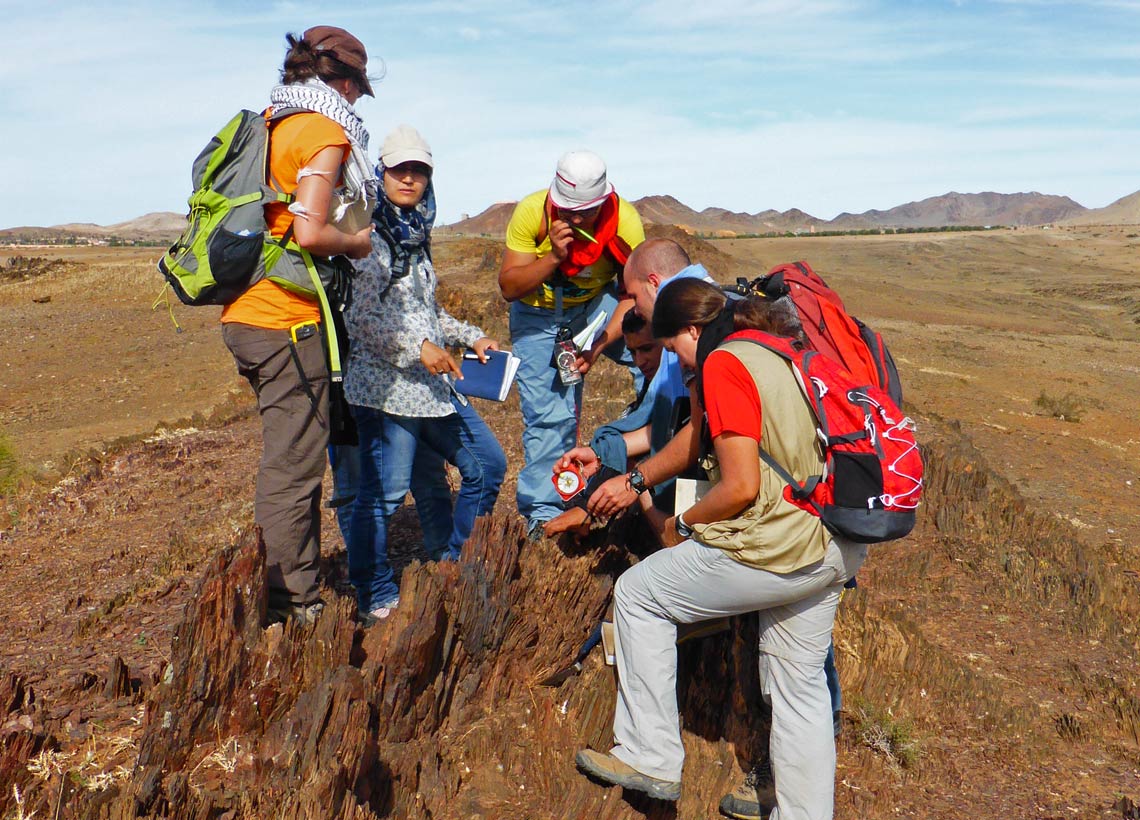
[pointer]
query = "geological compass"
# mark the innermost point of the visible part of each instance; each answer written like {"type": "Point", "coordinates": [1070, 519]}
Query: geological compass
{"type": "Point", "coordinates": [568, 482]}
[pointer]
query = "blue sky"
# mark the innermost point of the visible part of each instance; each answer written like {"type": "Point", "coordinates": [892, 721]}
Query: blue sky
{"type": "Point", "coordinates": [823, 105]}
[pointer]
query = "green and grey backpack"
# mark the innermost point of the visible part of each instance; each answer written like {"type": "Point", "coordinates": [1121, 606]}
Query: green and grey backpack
{"type": "Point", "coordinates": [226, 245]}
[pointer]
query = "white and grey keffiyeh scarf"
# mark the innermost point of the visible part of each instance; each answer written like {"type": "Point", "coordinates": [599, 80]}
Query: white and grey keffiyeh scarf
{"type": "Point", "coordinates": [359, 183]}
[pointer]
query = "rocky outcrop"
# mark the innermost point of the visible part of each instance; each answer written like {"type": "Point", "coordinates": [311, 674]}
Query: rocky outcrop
{"type": "Point", "coordinates": [436, 712]}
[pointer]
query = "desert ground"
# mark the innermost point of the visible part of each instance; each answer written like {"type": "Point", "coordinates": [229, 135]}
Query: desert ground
{"type": "Point", "coordinates": [989, 661]}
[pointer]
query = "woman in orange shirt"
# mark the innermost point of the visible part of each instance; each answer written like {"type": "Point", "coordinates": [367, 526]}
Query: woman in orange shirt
{"type": "Point", "coordinates": [317, 156]}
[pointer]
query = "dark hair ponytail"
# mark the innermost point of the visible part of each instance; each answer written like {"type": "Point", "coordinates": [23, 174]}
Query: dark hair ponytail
{"type": "Point", "coordinates": [776, 316]}
{"type": "Point", "coordinates": [685, 302]}
{"type": "Point", "coordinates": [303, 62]}
{"type": "Point", "coordinates": [704, 304]}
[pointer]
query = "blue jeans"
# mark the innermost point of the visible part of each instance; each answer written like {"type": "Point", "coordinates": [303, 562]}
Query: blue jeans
{"type": "Point", "coordinates": [429, 488]}
{"type": "Point", "coordinates": [345, 462]}
{"type": "Point", "coordinates": [831, 675]}
{"type": "Point", "coordinates": [550, 409]}
{"type": "Point", "coordinates": [398, 453]}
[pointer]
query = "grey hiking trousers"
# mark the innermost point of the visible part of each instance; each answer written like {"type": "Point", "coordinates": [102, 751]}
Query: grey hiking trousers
{"type": "Point", "coordinates": [690, 583]}
{"type": "Point", "coordinates": [295, 433]}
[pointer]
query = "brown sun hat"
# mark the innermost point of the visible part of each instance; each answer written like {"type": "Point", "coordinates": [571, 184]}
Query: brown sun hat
{"type": "Point", "coordinates": [344, 47]}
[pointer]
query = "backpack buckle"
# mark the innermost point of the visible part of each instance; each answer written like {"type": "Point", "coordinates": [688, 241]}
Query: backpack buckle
{"type": "Point", "coordinates": [303, 330]}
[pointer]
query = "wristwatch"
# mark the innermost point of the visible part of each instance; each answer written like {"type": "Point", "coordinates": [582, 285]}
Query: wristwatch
{"type": "Point", "coordinates": [683, 529]}
{"type": "Point", "coordinates": [637, 481]}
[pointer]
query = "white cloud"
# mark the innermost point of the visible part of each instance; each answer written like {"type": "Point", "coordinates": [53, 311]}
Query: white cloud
{"type": "Point", "coordinates": [1091, 82]}
{"type": "Point", "coordinates": [822, 166]}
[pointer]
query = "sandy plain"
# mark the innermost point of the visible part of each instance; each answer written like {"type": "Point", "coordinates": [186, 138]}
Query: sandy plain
{"type": "Point", "coordinates": [995, 334]}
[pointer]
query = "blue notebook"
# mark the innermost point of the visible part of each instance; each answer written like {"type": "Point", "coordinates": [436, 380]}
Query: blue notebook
{"type": "Point", "coordinates": [491, 380]}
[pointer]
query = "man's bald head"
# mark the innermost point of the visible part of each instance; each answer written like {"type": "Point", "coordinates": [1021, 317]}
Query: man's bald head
{"type": "Point", "coordinates": [661, 256]}
{"type": "Point", "coordinates": [651, 263]}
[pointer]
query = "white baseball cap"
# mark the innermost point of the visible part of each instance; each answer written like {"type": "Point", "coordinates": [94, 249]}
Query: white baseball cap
{"type": "Point", "coordinates": [405, 144]}
{"type": "Point", "coordinates": [580, 181]}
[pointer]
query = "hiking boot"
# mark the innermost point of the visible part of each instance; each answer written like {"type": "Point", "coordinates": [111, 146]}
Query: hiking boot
{"type": "Point", "coordinates": [379, 613]}
{"type": "Point", "coordinates": [300, 614]}
{"type": "Point", "coordinates": [755, 798]}
{"type": "Point", "coordinates": [608, 769]}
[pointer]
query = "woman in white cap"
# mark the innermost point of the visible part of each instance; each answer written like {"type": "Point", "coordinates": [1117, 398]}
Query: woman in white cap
{"type": "Point", "coordinates": [565, 247]}
{"type": "Point", "coordinates": [317, 160]}
{"type": "Point", "coordinates": [409, 418]}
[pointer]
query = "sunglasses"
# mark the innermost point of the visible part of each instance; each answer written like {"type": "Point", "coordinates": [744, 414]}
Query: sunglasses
{"type": "Point", "coordinates": [566, 214]}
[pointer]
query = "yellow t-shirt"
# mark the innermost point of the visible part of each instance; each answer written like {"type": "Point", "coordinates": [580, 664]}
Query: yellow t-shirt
{"type": "Point", "coordinates": [294, 142]}
{"type": "Point", "coordinates": [529, 219]}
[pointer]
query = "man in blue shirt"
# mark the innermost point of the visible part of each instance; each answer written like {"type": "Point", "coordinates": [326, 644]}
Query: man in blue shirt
{"type": "Point", "coordinates": [651, 266]}
{"type": "Point", "coordinates": [608, 440]}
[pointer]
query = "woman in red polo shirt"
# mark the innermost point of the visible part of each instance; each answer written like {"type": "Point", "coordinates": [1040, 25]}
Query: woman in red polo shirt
{"type": "Point", "coordinates": [741, 548]}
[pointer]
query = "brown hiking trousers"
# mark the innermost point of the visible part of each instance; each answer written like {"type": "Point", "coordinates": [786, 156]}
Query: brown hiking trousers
{"type": "Point", "coordinates": [295, 432]}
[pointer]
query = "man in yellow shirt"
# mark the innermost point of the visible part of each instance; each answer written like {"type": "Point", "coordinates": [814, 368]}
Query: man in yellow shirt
{"type": "Point", "coordinates": [566, 247]}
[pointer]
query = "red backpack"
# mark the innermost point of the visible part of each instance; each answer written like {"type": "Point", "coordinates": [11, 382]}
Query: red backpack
{"type": "Point", "coordinates": [828, 326]}
{"type": "Point", "coordinates": [872, 478]}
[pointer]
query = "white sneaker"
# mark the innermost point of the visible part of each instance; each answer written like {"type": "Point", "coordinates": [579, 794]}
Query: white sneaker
{"type": "Point", "coordinates": [380, 613]}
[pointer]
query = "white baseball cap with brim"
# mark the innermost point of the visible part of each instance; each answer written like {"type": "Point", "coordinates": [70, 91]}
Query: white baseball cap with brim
{"type": "Point", "coordinates": [405, 144]}
{"type": "Point", "coordinates": [580, 181]}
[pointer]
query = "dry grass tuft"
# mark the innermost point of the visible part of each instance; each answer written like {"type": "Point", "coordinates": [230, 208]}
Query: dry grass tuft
{"type": "Point", "coordinates": [19, 815]}
{"type": "Point", "coordinates": [893, 738]}
{"type": "Point", "coordinates": [225, 757]}
{"type": "Point", "coordinates": [48, 763]}
{"type": "Point", "coordinates": [1066, 408]}
{"type": "Point", "coordinates": [1069, 726]}
{"type": "Point", "coordinates": [100, 766]}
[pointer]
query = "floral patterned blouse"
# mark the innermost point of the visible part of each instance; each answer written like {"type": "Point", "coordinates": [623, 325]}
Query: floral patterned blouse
{"type": "Point", "coordinates": [388, 320]}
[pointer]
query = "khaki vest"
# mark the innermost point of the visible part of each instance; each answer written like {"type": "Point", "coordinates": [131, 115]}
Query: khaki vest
{"type": "Point", "coordinates": [774, 534]}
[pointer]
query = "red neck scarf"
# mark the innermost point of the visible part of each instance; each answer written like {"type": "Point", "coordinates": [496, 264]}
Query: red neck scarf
{"type": "Point", "coordinates": [583, 252]}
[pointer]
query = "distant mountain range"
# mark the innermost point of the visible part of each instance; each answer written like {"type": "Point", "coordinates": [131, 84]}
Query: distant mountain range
{"type": "Point", "coordinates": [949, 210]}
{"type": "Point", "coordinates": [164, 226]}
